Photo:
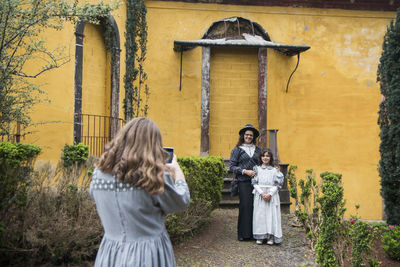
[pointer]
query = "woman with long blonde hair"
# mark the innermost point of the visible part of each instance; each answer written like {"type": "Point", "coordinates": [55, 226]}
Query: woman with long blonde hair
{"type": "Point", "coordinates": [133, 191]}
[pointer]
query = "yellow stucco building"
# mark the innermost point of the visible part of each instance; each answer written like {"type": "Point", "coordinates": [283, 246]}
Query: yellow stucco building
{"type": "Point", "coordinates": [326, 116]}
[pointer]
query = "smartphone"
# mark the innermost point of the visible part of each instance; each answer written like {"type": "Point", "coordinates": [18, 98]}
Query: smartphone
{"type": "Point", "coordinates": [170, 151]}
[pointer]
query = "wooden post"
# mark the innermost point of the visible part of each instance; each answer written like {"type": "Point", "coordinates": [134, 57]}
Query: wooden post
{"type": "Point", "coordinates": [273, 143]}
{"type": "Point", "coordinates": [78, 81]}
{"type": "Point", "coordinates": [205, 101]}
{"type": "Point", "coordinates": [115, 73]}
{"type": "Point", "coordinates": [262, 96]}
{"type": "Point", "coordinates": [114, 109]}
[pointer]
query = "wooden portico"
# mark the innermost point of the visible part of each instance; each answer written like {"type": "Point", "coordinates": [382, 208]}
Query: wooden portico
{"type": "Point", "coordinates": [236, 32]}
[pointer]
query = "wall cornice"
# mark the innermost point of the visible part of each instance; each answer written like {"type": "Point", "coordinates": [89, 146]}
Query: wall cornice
{"type": "Point", "coordinates": [370, 5]}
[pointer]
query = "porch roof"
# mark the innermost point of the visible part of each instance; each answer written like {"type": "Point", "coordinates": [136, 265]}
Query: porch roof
{"type": "Point", "coordinates": [238, 32]}
{"type": "Point", "coordinates": [249, 41]}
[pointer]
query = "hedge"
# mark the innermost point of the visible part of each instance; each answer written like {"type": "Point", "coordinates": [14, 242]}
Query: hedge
{"type": "Point", "coordinates": [205, 178]}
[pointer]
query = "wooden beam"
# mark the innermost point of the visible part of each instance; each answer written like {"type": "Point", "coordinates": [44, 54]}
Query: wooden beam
{"type": "Point", "coordinates": [262, 96]}
{"type": "Point", "coordinates": [205, 102]}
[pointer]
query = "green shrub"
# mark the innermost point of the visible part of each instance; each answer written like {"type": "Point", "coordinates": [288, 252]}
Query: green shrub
{"type": "Point", "coordinates": [306, 208]}
{"type": "Point", "coordinates": [75, 154]}
{"type": "Point", "coordinates": [321, 214]}
{"type": "Point", "coordinates": [361, 235]}
{"type": "Point", "coordinates": [205, 178]}
{"type": "Point", "coordinates": [391, 242]}
{"type": "Point", "coordinates": [332, 210]}
{"type": "Point", "coordinates": [15, 155]}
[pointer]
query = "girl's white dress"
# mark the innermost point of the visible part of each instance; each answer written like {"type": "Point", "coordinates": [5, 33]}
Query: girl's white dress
{"type": "Point", "coordinates": [267, 215]}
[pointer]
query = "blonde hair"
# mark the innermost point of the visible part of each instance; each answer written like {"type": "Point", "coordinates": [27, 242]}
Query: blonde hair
{"type": "Point", "coordinates": [136, 156]}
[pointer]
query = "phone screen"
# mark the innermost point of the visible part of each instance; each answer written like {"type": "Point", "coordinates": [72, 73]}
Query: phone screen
{"type": "Point", "coordinates": [170, 151]}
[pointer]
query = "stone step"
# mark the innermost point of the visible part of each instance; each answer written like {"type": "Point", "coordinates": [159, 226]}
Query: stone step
{"type": "Point", "coordinates": [233, 202]}
{"type": "Point", "coordinates": [227, 183]}
{"type": "Point", "coordinates": [229, 204]}
{"type": "Point", "coordinates": [226, 191]}
{"type": "Point", "coordinates": [226, 195]}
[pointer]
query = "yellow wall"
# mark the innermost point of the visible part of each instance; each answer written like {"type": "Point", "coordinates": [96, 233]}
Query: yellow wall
{"type": "Point", "coordinates": [233, 96]}
{"type": "Point", "coordinates": [53, 121]}
{"type": "Point", "coordinates": [95, 89]}
{"type": "Point", "coordinates": [327, 120]}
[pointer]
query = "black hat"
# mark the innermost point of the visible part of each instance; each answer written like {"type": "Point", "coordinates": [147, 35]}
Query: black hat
{"type": "Point", "coordinates": [249, 127]}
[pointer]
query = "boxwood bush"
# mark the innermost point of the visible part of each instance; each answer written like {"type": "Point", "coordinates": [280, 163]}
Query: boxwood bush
{"type": "Point", "coordinates": [205, 178]}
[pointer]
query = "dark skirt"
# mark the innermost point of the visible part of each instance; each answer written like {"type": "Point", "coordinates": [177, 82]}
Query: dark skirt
{"type": "Point", "coordinates": [245, 219]}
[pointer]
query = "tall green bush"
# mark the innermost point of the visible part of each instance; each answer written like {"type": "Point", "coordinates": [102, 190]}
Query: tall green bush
{"type": "Point", "coordinates": [205, 178]}
{"type": "Point", "coordinates": [332, 211]}
{"type": "Point", "coordinates": [306, 208]}
{"type": "Point", "coordinates": [389, 121]}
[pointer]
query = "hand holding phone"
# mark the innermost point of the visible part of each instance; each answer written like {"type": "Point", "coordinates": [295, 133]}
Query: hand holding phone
{"type": "Point", "coordinates": [173, 165]}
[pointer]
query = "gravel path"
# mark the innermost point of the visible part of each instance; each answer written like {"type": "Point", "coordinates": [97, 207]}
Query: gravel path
{"type": "Point", "coordinates": [217, 245]}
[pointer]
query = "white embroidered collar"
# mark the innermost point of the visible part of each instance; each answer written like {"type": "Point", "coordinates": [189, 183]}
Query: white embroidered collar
{"type": "Point", "coordinates": [249, 149]}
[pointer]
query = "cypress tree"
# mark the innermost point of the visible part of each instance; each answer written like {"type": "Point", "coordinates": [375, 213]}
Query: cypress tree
{"type": "Point", "coordinates": [389, 121]}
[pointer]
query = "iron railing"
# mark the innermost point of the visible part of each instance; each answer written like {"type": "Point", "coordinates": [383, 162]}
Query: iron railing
{"type": "Point", "coordinates": [95, 131]}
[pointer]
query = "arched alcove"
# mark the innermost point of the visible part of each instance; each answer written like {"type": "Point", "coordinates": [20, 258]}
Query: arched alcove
{"type": "Point", "coordinates": [114, 79]}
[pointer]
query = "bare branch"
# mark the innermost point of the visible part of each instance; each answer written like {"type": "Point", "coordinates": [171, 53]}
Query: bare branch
{"type": "Point", "coordinates": [21, 74]}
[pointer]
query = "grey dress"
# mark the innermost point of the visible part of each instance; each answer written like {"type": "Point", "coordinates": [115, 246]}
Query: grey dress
{"type": "Point", "coordinates": [133, 221]}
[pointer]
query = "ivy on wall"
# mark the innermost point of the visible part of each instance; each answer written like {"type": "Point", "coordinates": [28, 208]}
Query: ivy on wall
{"type": "Point", "coordinates": [109, 39]}
{"type": "Point", "coordinates": [389, 121]}
{"type": "Point", "coordinates": [135, 46]}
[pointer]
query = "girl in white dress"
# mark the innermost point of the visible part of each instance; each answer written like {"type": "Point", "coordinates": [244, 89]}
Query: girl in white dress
{"type": "Point", "coordinates": [267, 210]}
